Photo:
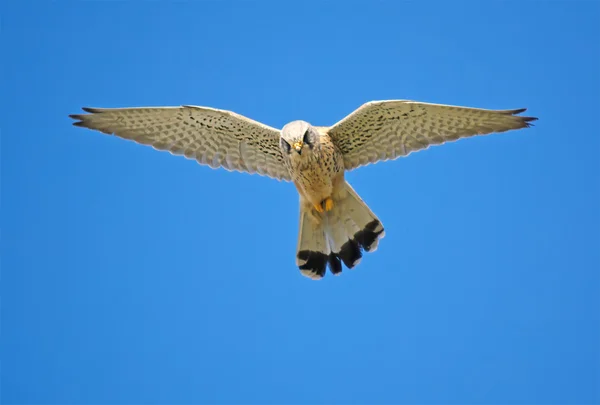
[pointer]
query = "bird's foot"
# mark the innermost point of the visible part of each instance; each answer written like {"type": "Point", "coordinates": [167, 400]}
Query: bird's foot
{"type": "Point", "coordinates": [325, 205]}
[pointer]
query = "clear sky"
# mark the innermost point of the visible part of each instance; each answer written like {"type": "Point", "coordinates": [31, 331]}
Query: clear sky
{"type": "Point", "coordinates": [133, 276]}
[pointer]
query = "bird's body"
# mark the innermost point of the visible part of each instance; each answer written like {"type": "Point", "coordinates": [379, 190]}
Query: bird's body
{"type": "Point", "coordinates": [335, 224]}
{"type": "Point", "coordinates": [316, 173]}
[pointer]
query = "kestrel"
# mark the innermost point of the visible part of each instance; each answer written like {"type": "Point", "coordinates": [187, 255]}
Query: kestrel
{"type": "Point", "coordinates": [335, 223]}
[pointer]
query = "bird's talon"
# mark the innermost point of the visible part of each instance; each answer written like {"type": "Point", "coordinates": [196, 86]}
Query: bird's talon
{"type": "Point", "coordinates": [319, 208]}
{"type": "Point", "coordinates": [328, 203]}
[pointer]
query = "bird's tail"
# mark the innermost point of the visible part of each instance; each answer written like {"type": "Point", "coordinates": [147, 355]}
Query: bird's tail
{"type": "Point", "coordinates": [337, 236]}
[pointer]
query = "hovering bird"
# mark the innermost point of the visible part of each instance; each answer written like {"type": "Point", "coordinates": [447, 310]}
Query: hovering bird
{"type": "Point", "coordinates": [336, 225]}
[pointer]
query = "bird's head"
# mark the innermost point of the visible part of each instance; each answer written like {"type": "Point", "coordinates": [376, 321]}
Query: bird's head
{"type": "Point", "coordinates": [298, 137]}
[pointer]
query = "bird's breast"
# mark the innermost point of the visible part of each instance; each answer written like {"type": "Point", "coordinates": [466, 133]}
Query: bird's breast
{"type": "Point", "coordinates": [314, 172]}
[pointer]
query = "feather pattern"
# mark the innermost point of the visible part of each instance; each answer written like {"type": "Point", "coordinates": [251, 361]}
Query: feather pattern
{"type": "Point", "coordinates": [216, 138]}
{"type": "Point", "coordinates": [386, 130]}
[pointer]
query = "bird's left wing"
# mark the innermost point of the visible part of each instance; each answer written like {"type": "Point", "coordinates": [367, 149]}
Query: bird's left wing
{"type": "Point", "coordinates": [384, 130]}
{"type": "Point", "coordinates": [217, 138]}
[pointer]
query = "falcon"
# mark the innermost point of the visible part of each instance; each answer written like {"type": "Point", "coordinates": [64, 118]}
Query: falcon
{"type": "Point", "coordinates": [335, 225]}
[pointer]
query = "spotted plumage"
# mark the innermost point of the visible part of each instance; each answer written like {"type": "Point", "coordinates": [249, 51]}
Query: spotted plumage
{"type": "Point", "coordinates": [335, 226]}
{"type": "Point", "coordinates": [315, 165]}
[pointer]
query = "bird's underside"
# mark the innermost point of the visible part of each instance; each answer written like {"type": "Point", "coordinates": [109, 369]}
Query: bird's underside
{"type": "Point", "coordinates": [336, 226]}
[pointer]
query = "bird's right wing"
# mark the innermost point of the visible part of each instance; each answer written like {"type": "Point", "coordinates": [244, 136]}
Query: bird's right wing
{"type": "Point", "coordinates": [217, 138]}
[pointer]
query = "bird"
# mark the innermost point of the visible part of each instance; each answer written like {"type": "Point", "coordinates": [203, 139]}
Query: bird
{"type": "Point", "coordinates": [335, 225]}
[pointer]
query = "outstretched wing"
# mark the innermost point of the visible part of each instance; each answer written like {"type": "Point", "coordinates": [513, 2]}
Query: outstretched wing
{"type": "Point", "coordinates": [213, 137]}
{"type": "Point", "coordinates": [384, 130]}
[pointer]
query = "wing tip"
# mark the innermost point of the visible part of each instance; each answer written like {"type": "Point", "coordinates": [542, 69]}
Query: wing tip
{"type": "Point", "coordinates": [91, 110]}
{"type": "Point", "coordinates": [517, 111]}
{"type": "Point", "coordinates": [80, 124]}
{"type": "Point", "coordinates": [81, 118]}
{"type": "Point", "coordinates": [527, 121]}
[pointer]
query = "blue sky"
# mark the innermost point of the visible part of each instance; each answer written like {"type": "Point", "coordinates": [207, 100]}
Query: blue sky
{"type": "Point", "coordinates": [133, 276]}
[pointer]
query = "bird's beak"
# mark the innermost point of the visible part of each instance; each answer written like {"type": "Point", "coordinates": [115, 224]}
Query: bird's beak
{"type": "Point", "coordinates": [298, 146]}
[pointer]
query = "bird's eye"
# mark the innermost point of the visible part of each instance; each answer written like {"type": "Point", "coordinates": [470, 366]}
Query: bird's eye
{"type": "Point", "coordinates": [306, 138]}
{"type": "Point", "coordinates": [285, 146]}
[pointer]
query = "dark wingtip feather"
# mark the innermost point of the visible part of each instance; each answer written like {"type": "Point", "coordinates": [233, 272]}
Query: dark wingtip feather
{"type": "Point", "coordinates": [79, 119]}
{"type": "Point", "coordinates": [90, 109]}
{"type": "Point", "coordinates": [526, 120]}
{"type": "Point", "coordinates": [82, 117]}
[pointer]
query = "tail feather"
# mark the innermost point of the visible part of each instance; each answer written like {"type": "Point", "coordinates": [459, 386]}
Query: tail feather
{"type": "Point", "coordinates": [313, 253]}
{"type": "Point", "coordinates": [340, 242]}
{"type": "Point", "coordinates": [371, 229]}
{"type": "Point", "coordinates": [341, 236]}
